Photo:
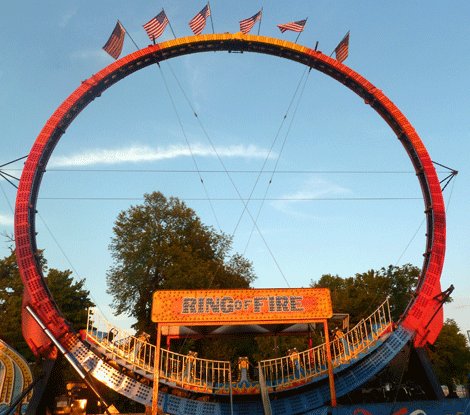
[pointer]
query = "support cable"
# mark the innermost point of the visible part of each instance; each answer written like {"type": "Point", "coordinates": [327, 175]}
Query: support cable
{"type": "Point", "coordinates": [410, 241]}
{"type": "Point", "coordinates": [184, 132]}
{"type": "Point", "coordinates": [278, 157]}
{"type": "Point", "coordinates": [13, 161]}
{"type": "Point", "coordinates": [72, 170]}
{"type": "Point", "coordinates": [230, 199]}
{"type": "Point", "coordinates": [450, 196]}
{"type": "Point", "coordinates": [206, 134]}
{"type": "Point", "coordinates": [196, 166]}
{"type": "Point", "coordinates": [244, 203]}
{"type": "Point", "coordinates": [59, 246]}
{"type": "Point", "coordinates": [48, 230]}
{"type": "Point", "coordinates": [6, 176]}
{"type": "Point", "coordinates": [262, 170]}
{"type": "Point", "coordinates": [446, 180]}
{"type": "Point", "coordinates": [6, 198]}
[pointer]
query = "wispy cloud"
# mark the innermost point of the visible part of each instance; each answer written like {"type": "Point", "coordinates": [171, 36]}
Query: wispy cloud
{"type": "Point", "coordinates": [137, 154]}
{"type": "Point", "coordinates": [97, 55]}
{"type": "Point", "coordinates": [312, 188]}
{"type": "Point", "coordinates": [67, 16]}
{"type": "Point", "coordinates": [6, 220]}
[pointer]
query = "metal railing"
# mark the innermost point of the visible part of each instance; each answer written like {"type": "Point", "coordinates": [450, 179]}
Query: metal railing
{"type": "Point", "coordinates": [121, 344]}
{"type": "Point", "coordinates": [190, 372]}
{"type": "Point", "coordinates": [362, 336]}
{"type": "Point", "coordinates": [300, 367]}
{"type": "Point", "coordinates": [183, 370]}
{"type": "Point", "coordinates": [296, 367]}
{"type": "Point", "coordinates": [204, 375]}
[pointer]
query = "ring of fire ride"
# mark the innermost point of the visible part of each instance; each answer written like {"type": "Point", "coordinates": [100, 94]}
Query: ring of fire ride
{"type": "Point", "coordinates": [421, 322]}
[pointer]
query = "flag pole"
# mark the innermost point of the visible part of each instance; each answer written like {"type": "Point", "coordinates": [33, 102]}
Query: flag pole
{"type": "Point", "coordinates": [344, 37]}
{"type": "Point", "coordinates": [260, 18]}
{"type": "Point", "coordinates": [212, 22]}
{"type": "Point", "coordinates": [171, 28]}
{"type": "Point", "coordinates": [127, 33]}
{"type": "Point", "coordinates": [169, 24]}
{"type": "Point", "coordinates": [297, 38]}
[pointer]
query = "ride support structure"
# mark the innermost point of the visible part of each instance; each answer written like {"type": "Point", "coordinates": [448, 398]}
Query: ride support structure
{"type": "Point", "coordinates": [421, 321]}
{"type": "Point", "coordinates": [240, 307]}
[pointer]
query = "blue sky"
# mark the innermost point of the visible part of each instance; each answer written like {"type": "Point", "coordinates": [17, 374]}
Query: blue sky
{"type": "Point", "coordinates": [418, 55]}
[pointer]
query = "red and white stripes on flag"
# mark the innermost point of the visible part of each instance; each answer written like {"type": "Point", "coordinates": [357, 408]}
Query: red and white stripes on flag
{"type": "Point", "coordinates": [342, 50]}
{"type": "Point", "coordinates": [156, 26]}
{"type": "Point", "coordinates": [297, 26]}
{"type": "Point", "coordinates": [198, 22]}
{"type": "Point", "coordinates": [115, 42]}
{"type": "Point", "coordinates": [247, 24]}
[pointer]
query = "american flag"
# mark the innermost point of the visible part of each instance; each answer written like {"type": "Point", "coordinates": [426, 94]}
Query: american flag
{"type": "Point", "coordinates": [198, 22]}
{"type": "Point", "coordinates": [297, 26]}
{"type": "Point", "coordinates": [342, 50]}
{"type": "Point", "coordinates": [115, 42]}
{"type": "Point", "coordinates": [247, 24]}
{"type": "Point", "coordinates": [156, 26]}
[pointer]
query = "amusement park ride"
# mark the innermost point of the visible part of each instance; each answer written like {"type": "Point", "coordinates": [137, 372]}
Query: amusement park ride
{"type": "Point", "coordinates": [15, 379]}
{"type": "Point", "coordinates": [303, 382]}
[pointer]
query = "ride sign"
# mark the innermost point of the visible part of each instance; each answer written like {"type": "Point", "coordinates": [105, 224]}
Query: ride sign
{"type": "Point", "coordinates": [200, 307]}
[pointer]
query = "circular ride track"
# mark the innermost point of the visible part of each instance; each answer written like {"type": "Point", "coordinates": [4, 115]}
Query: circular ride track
{"type": "Point", "coordinates": [421, 321]}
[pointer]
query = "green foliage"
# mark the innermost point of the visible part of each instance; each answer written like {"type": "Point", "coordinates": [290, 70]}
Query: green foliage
{"type": "Point", "coordinates": [361, 294]}
{"type": "Point", "coordinates": [162, 244]}
{"type": "Point", "coordinates": [72, 299]}
{"type": "Point", "coordinates": [270, 347]}
{"type": "Point", "coordinates": [11, 294]}
{"type": "Point", "coordinates": [70, 295]}
{"type": "Point", "coordinates": [450, 355]}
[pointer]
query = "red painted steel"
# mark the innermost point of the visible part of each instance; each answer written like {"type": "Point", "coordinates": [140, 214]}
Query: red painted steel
{"type": "Point", "coordinates": [419, 311]}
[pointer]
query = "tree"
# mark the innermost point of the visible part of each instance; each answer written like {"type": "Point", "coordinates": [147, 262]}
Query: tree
{"type": "Point", "coordinates": [450, 355]}
{"type": "Point", "coordinates": [361, 294]}
{"type": "Point", "coordinates": [71, 297]}
{"type": "Point", "coordinates": [11, 294]}
{"type": "Point", "coordinates": [162, 244]}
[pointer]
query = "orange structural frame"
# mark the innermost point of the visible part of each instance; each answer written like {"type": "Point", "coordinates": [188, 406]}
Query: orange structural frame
{"type": "Point", "coordinates": [239, 307]}
{"type": "Point", "coordinates": [267, 306]}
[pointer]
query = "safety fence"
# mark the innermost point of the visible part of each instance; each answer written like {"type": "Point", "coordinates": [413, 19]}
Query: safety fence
{"type": "Point", "coordinates": [344, 347]}
{"type": "Point", "coordinates": [191, 372]}
{"type": "Point", "coordinates": [121, 345]}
